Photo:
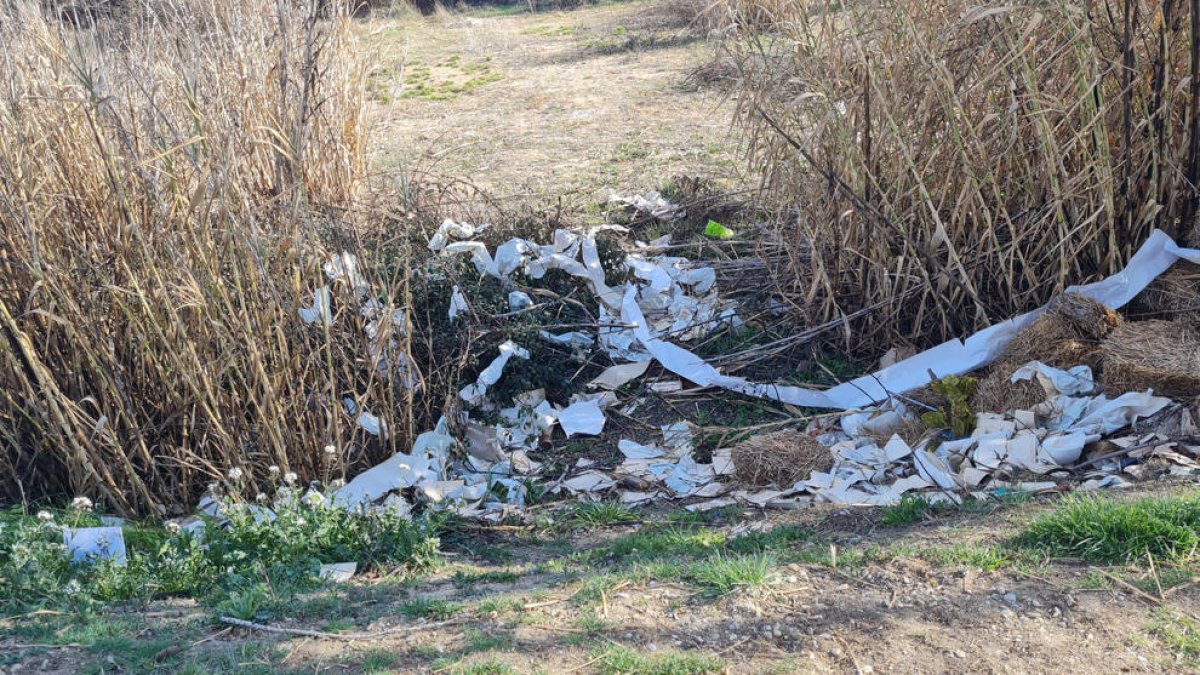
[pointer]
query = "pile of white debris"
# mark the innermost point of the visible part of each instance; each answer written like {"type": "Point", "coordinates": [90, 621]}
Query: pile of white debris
{"type": "Point", "coordinates": [668, 299]}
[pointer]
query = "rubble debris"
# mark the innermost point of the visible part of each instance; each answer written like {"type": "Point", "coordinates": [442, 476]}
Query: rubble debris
{"type": "Point", "coordinates": [779, 458]}
{"type": "Point", "coordinates": [873, 456]}
{"type": "Point", "coordinates": [1159, 355]}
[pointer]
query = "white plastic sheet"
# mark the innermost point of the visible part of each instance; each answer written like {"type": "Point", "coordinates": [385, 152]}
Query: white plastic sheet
{"type": "Point", "coordinates": [88, 544]}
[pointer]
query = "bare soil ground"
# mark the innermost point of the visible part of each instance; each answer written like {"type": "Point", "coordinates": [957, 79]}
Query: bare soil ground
{"type": "Point", "coordinates": [565, 104]}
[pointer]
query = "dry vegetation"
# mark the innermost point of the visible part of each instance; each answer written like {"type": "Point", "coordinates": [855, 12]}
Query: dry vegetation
{"type": "Point", "coordinates": [958, 163]}
{"type": "Point", "coordinates": [168, 179]}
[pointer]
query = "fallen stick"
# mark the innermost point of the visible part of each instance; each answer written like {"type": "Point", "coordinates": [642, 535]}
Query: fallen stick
{"type": "Point", "coordinates": [339, 636]}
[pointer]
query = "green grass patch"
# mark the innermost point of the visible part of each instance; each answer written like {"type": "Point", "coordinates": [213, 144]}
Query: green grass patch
{"type": "Point", "coordinates": [720, 574]}
{"type": "Point", "coordinates": [466, 578]}
{"type": "Point", "coordinates": [625, 661]}
{"type": "Point", "coordinates": [427, 608]}
{"type": "Point", "coordinates": [1103, 529]}
{"type": "Point", "coordinates": [909, 510]}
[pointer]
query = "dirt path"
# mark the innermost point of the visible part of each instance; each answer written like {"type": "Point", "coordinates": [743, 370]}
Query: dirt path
{"type": "Point", "coordinates": [566, 104]}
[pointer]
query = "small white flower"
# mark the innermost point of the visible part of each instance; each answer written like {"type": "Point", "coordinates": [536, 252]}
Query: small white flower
{"type": "Point", "coordinates": [290, 477]}
{"type": "Point", "coordinates": [302, 522]}
{"type": "Point", "coordinates": [330, 450]}
{"type": "Point", "coordinates": [337, 484]}
{"type": "Point", "coordinates": [235, 474]}
{"type": "Point", "coordinates": [173, 527]}
{"type": "Point", "coordinates": [72, 587]}
{"type": "Point", "coordinates": [261, 497]}
{"type": "Point", "coordinates": [314, 498]}
{"type": "Point", "coordinates": [273, 470]}
{"type": "Point", "coordinates": [81, 504]}
{"type": "Point", "coordinates": [45, 516]}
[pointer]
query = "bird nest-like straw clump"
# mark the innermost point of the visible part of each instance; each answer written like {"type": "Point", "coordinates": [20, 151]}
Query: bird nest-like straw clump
{"type": "Point", "coordinates": [1159, 355]}
{"type": "Point", "coordinates": [780, 458]}
{"type": "Point", "coordinates": [1175, 294]}
{"type": "Point", "coordinates": [1067, 334]}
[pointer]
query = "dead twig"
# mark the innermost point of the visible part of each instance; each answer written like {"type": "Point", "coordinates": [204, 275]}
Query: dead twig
{"type": "Point", "coordinates": [241, 623]}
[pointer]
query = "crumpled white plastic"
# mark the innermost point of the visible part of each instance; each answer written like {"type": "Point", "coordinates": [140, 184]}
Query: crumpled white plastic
{"type": "Point", "coordinates": [320, 308]}
{"type": "Point", "coordinates": [473, 394]}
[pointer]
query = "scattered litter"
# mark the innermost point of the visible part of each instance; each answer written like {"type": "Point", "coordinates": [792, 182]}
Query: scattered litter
{"type": "Point", "coordinates": [518, 300]}
{"type": "Point", "coordinates": [90, 544]}
{"type": "Point", "coordinates": [320, 309]}
{"type": "Point", "coordinates": [474, 394]}
{"type": "Point", "coordinates": [582, 417]}
{"type": "Point", "coordinates": [869, 457]}
{"type": "Point", "coordinates": [337, 572]}
{"type": "Point", "coordinates": [652, 204]}
{"type": "Point", "coordinates": [717, 230]}
{"type": "Point", "coordinates": [614, 377]}
{"type": "Point", "coordinates": [458, 303]}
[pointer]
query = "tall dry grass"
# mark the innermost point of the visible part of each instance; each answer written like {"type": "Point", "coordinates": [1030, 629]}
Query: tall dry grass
{"type": "Point", "coordinates": [173, 175]}
{"type": "Point", "coordinates": [954, 163]}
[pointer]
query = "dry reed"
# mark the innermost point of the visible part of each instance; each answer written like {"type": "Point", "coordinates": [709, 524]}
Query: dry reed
{"type": "Point", "coordinates": [959, 163]}
{"type": "Point", "coordinates": [171, 182]}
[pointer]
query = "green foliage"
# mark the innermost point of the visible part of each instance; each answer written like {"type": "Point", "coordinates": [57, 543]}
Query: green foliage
{"type": "Point", "coordinates": [600, 514]}
{"type": "Point", "coordinates": [1103, 529]}
{"type": "Point", "coordinates": [908, 511]}
{"type": "Point", "coordinates": [958, 416]}
{"type": "Point", "coordinates": [225, 563]}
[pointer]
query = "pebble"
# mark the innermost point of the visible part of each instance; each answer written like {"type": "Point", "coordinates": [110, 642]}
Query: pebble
{"type": "Point", "coordinates": [959, 654]}
{"type": "Point", "coordinates": [835, 653]}
{"type": "Point", "coordinates": [1010, 598]}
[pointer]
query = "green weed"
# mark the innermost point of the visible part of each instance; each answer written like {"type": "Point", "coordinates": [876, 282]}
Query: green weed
{"type": "Point", "coordinates": [1103, 529]}
{"type": "Point", "coordinates": [720, 575]}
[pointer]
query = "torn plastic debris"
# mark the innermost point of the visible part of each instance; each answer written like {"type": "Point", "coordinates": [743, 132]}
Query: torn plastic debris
{"type": "Point", "coordinates": [89, 544]}
{"type": "Point", "coordinates": [337, 572]}
{"type": "Point", "coordinates": [344, 266]}
{"type": "Point", "coordinates": [473, 394]}
{"type": "Point", "coordinates": [449, 231]}
{"type": "Point", "coordinates": [582, 417]}
{"type": "Point", "coordinates": [518, 300]}
{"type": "Point", "coordinates": [426, 462]}
{"type": "Point", "coordinates": [615, 377]}
{"type": "Point", "coordinates": [320, 309]}
{"type": "Point", "coordinates": [458, 303]}
{"type": "Point", "coordinates": [652, 204]}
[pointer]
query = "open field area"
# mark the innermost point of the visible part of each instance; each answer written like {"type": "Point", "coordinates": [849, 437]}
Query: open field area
{"type": "Point", "coordinates": [646, 337]}
{"type": "Point", "coordinates": [557, 104]}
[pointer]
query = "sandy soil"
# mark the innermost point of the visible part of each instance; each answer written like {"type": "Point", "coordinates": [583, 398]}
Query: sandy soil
{"type": "Point", "coordinates": [576, 104]}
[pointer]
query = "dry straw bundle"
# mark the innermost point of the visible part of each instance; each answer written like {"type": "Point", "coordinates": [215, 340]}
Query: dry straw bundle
{"type": "Point", "coordinates": [780, 458]}
{"type": "Point", "coordinates": [1175, 295]}
{"type": "Point", "coordinates": [1159, 355]}
{"type": "Point", "coordinates": [1067, 334]}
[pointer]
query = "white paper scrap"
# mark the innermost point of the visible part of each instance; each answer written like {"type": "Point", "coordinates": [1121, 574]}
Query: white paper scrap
{"type": "Point", "coordinates": [582, 417]}
{"type": "Point", "coordinates": [87, 544]}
